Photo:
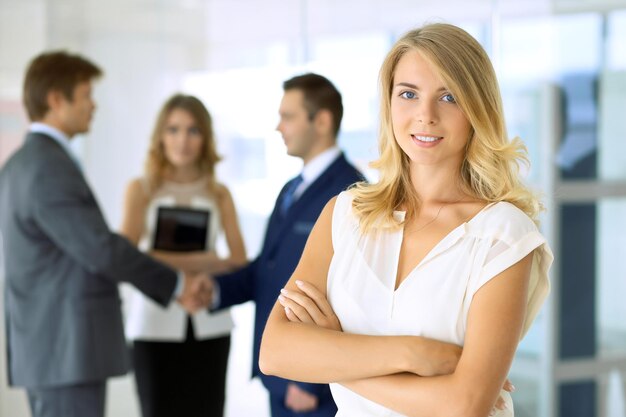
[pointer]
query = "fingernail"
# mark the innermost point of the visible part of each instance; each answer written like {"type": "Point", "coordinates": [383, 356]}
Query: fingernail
{"type": "Point", "coordinates": [512, 387]}
{"type": "Point", "coordinates": [299, 283]}
{"type": "Point", "coordinates": [281, 299]}
{"type": "Point", "coordinates": [284, 291]}
{"type": "Point", "coordinates": [287, 310]}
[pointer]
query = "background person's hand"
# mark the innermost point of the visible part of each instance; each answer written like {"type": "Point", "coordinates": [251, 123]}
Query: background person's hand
{"type": "Point", "coordinates": [197, 292]}
{"type": "Point", "coordinates": [298, 400]}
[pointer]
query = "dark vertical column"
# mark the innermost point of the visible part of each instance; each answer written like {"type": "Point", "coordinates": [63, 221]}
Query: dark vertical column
{"type": "Point", "coordinates": [577, 308]}
{"type": "Point", "coordinates": [577, 338]}
{"type": "Point", "coordinates": [577, 399]}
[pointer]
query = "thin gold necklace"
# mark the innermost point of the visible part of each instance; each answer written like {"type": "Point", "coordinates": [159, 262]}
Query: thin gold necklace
{"type": "Point", "coordinates": [436, 216]}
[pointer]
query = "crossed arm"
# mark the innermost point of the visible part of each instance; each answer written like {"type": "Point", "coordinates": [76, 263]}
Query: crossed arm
{"type": "Point", "coordinates": [411, 375]}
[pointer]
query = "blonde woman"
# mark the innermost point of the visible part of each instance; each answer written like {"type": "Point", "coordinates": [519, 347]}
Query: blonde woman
{"type": "Point", "coordinates": [441, 252]}
{"type": "Point", "coordinates": [180, 360]}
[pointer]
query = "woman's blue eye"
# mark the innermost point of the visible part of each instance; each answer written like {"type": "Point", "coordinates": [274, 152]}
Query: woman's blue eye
{"type": "Point", "coordinates": [408, 94]}
{"type": "Point", "coordinates": [449, 98]}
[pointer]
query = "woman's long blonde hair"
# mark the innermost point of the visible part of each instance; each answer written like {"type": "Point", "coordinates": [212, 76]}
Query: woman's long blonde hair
{"type": "Point", "coordinates": [490, 169]}
{"type": "Point", "coordinates": [156, 162]}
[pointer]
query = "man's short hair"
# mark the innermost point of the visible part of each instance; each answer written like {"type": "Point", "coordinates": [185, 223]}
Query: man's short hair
{"type": "Point", "coordinates": [54, 71]}
{"type": "Point", "coordinates": [319, 93]}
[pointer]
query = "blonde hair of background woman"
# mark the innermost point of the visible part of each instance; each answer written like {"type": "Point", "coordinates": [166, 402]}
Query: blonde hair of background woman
{"type": "Point", "coordinates": [490, 170]}
{"type": "Point", "coordinates": [156, 162]}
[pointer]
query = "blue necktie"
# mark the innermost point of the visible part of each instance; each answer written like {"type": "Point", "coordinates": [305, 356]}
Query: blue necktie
{"type": "Point", "coordinates": [289, 194]}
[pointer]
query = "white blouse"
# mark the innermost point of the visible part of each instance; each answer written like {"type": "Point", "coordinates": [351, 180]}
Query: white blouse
{"type": "Point", "coordinates": [147, 320]}
{"type": "Point", "coordinates": [434, 300]}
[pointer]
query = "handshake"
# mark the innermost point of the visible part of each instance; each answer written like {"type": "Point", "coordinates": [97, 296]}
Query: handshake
{"type": "Point", "coordinates": [197, 292]}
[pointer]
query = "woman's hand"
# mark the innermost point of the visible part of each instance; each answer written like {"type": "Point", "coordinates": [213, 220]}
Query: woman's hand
{"type": "Point", "coordinates": [500, 402]}
{"type": "Point", "coordinates": [308, 305]}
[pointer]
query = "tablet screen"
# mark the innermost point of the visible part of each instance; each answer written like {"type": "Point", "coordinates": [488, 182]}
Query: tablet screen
{"type": "Point", "coordinates": [181, 229]}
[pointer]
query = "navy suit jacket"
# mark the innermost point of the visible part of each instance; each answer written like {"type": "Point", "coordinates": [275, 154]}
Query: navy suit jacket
{"type": "Point", "coordinates": [284, 242]}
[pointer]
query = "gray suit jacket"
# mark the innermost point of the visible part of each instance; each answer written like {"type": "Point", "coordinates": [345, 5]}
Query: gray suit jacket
{"type": "Point", "coordinates": [63, 264]}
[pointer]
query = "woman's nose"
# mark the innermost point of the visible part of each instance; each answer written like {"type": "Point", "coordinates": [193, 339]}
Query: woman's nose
{"type": "Point", "coordinates": [426, 112]}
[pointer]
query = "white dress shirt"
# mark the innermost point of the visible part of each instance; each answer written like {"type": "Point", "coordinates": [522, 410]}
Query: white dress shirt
{"type": "Point", "coordinates": [315, 168]}
{"type": "Point", "coordinates": [58, 136]}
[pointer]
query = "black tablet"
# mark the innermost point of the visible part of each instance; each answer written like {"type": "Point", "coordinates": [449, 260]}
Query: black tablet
{"type": "Point", "coordinates": [181, 229]}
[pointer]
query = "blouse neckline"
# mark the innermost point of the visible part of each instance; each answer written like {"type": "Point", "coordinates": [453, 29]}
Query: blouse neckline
{"type": "Point", "coordinates": [442, 245]}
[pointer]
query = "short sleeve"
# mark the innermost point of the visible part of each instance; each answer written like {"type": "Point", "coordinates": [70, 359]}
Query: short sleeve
{"type": "Point", "coordinates": [512, 237]}
{"type": "Point", "coordinates": [342, 220]}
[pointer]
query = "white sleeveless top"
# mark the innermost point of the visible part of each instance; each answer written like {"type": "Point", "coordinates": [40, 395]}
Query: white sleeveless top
{"type": "Point", "coordinates": [434, 300]}
{"type": "Point", "coordinates": [147, 320]}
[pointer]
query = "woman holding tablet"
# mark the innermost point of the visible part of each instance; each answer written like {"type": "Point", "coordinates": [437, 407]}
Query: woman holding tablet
{"type": "Point", "coordinates": [180, 360]}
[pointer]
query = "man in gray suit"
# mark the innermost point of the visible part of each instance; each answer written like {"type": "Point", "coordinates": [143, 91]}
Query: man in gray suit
{"type": "Point", "coordinates": [63, 264]}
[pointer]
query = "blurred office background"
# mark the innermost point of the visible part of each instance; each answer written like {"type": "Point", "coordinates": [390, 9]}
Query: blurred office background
{"type": "Point", "coordinates": [562, 69]}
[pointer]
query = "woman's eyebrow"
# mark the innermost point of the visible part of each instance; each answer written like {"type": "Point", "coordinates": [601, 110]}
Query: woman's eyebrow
{"type": "Point", "coordinates": [415, 87]}
{"type": "Point", "coordinates": [409, 85]}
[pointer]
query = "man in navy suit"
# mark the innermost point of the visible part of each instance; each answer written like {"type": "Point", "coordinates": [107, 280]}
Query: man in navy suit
{"type": "Point", "coordinates": [310, 116]}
